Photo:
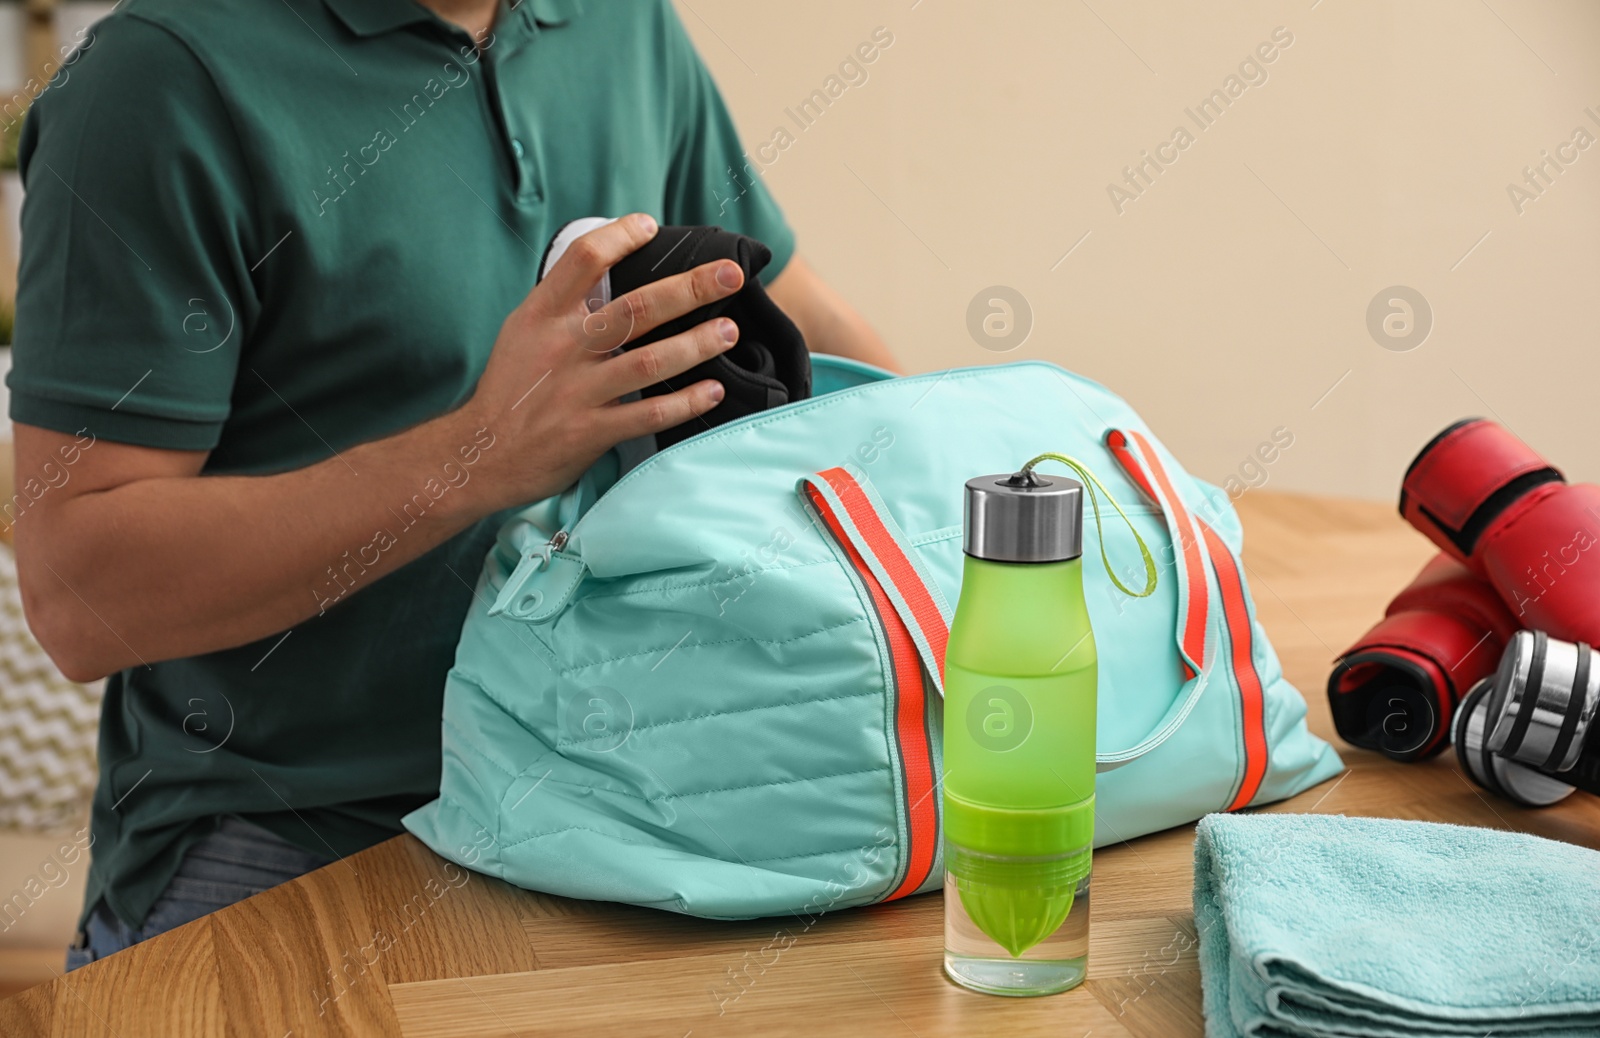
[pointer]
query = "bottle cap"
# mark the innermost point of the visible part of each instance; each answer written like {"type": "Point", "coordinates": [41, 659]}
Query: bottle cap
{"type": "Point", "coordinates": [1024, 517]}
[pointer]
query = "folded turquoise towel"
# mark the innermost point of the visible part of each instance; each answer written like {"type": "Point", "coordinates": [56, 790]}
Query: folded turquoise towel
{"type": "Point", "coordinates": [1321, 925]}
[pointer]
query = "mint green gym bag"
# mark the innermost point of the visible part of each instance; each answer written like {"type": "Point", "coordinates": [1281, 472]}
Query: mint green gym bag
{"type": "Point", "coordinates": [713, 685]}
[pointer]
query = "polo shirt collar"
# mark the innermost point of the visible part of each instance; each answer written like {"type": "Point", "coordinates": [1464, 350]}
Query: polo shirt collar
{"type": "Point", "coordinates": [374, 17]}
{"type": "Point", "coordinates": [552, 12]}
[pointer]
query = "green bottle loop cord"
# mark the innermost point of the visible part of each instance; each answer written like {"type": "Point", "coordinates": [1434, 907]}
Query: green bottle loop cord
{"type": "Point", "coordinates": [1090, 482]}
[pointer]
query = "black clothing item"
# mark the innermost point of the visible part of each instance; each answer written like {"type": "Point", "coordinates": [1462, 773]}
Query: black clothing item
{"type": "Point", "coordinates": [769, 366]}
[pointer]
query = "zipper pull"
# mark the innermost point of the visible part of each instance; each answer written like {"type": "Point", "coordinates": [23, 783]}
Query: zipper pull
{"type": "Point", "coordinates": [538, 588]}
{"type": "Point", "coordinates": [554, 544]}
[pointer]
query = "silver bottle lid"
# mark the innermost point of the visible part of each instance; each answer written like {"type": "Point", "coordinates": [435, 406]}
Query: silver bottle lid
{"type": "Point", "coordinates": [1024, 517]}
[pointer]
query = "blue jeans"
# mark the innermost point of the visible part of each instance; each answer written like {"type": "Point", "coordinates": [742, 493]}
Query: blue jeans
{"type": "Point", "coordinates": [236, 861]}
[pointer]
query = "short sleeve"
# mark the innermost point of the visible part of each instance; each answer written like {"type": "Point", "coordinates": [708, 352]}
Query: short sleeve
{"type": "Point", "coordinates": [133, 292]}
{"type": "Point", "coordinates": [710, 181]}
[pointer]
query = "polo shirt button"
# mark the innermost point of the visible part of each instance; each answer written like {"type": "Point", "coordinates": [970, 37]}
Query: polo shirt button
{"type": "Point", "coordinates": [516, 148]}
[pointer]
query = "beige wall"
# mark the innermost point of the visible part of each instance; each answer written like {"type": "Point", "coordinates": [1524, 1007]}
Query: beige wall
{"type": "Point", "coordinates": [1228, 298]}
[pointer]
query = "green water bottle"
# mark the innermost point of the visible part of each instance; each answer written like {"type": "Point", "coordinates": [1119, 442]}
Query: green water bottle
{"type": "Point", "coordinates": [1019, 741]}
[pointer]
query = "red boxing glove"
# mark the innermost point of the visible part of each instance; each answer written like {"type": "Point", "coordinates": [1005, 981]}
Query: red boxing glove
{"type": "Point", "coordinates": [1396, 689]}
{"type": "Point", "coordinates": [1487, 498]}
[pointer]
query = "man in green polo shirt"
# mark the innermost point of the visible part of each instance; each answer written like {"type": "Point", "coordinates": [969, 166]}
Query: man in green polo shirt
{"type": "Point", "coordinates": [279, 372]}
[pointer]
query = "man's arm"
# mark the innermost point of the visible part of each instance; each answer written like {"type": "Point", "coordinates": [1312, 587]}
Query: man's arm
{"type": "Point", "coordinates": [136, 557]}
{"type": "Point", "coordinates": [829, 324]}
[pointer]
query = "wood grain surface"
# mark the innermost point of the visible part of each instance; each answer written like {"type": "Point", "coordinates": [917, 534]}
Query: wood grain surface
{"type": "Point", "coordinates": [383, 943]}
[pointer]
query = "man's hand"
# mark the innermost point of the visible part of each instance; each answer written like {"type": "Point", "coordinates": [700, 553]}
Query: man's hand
{"type": "Point", "coordinates": [551, 387]}
{"type": "Point", "coordinates": [136, 557]}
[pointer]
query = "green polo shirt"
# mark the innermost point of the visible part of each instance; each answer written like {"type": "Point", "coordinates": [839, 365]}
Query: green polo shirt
{"type": "Point", "coordinates": [273, 229]}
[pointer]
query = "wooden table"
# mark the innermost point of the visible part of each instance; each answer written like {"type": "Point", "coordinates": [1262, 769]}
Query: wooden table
{"type": "Point", "coordinates": [488, 959]}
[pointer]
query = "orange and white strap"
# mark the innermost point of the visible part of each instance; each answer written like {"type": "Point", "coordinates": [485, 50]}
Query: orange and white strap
{"type": "Point", "coordinates": [1196, 542]}
{"type": "Point", "coordinates": [866, 523]}
{"type": "Point", "coordinates": [915, 624]}
{"type": "Point", "coordinates": [1133, 453]}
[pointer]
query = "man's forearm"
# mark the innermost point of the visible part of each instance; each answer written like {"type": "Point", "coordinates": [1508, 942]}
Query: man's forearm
{"type": "Point", "coordinates": [176, 566]}
{"type": "Point", "coordinates": [136, 557]}
{"type": "Point", "coordinates": [828, 322]}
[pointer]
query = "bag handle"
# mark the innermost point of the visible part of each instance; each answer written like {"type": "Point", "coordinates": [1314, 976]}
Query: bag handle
{"type": "Point", "coordinates": [865, 522]}
{"type": "Point", "coordinates": [1198, 543]}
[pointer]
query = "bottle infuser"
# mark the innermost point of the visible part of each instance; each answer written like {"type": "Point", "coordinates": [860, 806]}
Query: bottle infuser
{"type": "Point", "coordinates": [1021, 679]}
